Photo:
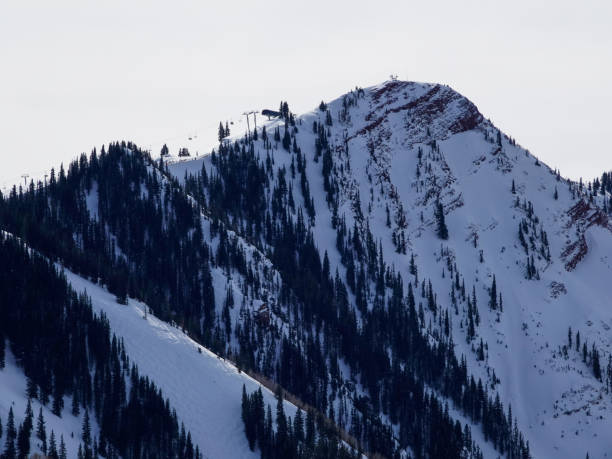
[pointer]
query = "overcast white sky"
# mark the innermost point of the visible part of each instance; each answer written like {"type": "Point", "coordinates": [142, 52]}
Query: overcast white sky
{"type": "Point", "coordinates": [74, 74]}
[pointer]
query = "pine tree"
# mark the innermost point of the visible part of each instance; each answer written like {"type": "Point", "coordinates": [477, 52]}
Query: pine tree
{"type": "Point", "coordinates": [31, 389]}
{"type": "Point", "coordinates": [2, 352]}
{"type": "Point", "coordinates": [595, 362]}
{"type": "Point", "coordinates": [75, 403]}
{"type": "Point", "coordinates": [287, 140]}
{"type": "Point", "coordinates": [513, 187]}
{"type": "Point", "coordinates": [53, 446]}
{"type": "Point", "coordinates": [281, 419]}
{"type": "Point", "coordinates": [247, 418]}
{"type": "Point", "coordinates": [481, 355]}
{"type": "Point", "coordinates": [41, 431]}
{"type": "Point", "coordinates": [25, 431]}
{"type": "Point", "coordinates": [10, 451]}
{"type": "Point", "coordinates": [221, 134]}
{"type": "Point", "coordinates": [23, 443]}
{"type": "Point", "coordinates": [493, 300]}
{"type": "Point", "coordinates": [62, 451]}
{"type": "Point", "coordinates": [28, 422]}
{"type": "Point", "coordinates": [310, 427]}
{"type": "Point", "coordinates": [86, 430]}
{"type": "Point", "coordinates": [58, 398]}
{"type": "Point", "coordinates": [442, 229]}
{"type": "Point", "coordinates": [298, 426]}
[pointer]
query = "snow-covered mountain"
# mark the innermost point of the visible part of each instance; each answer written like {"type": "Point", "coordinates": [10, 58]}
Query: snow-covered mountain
{"type": "Point", "coordinates": [400, 147]}
{"type": "Point", "coordinates": [390, 258]}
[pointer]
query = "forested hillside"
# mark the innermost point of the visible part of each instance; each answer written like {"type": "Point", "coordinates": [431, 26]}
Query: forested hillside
{"type": "Point", "coordinates": [390, 259]}
{"type": "Point", "coordinates": [65, 349]}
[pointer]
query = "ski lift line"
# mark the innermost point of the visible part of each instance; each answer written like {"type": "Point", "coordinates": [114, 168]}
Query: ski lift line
{"type": "Point", "coordinates": [209, 128]}
{"type": "Point", "coordinates": [8, 183]}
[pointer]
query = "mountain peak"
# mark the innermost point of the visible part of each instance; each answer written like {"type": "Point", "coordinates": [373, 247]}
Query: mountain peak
{"type": "Point", "coordinates": [428, 111]}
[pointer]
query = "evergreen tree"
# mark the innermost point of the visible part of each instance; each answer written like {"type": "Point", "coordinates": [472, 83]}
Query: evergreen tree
{"type": "Point", "coordinates": [2, 352]}
{"type": "Point", "coordinates": [247, 418]}
{"type": "Point", "coordinates": [86, 430]}
{"type": "Point", "coordinates": [75, 410]}
{"type": "Point", "coordinates": [41, 431]}
{"type": "Point", "coordinates": [281, 419]}
{"type": "Point", "coordinates": [10, 451]}
{"type": "Point", "coordinates": [287, 140]}
{"type": "Point", "coordinates": [25, 431]}
{"type": "Point", "coordinates": [298, 426]}
{"type": "Point", "coordinates": [595, 362]}
{"type": "Point", "coordinates": [221, 134]}
{"type": "Point", "coordinates": [493, 299]}
{"type": "Point", "coordinates": [53, 446]}
{"type": "Point", "coordinates": [442, 230]}
{"type": "Point", "coordinates": [62, 451]}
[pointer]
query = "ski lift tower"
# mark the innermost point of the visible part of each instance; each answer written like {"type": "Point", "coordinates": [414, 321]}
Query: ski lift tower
{"type": "Point", "coordinates": [254, 113]}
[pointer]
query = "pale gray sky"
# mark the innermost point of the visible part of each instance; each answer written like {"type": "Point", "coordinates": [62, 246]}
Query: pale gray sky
{"type": "Point", "coordinates": [74, 74]}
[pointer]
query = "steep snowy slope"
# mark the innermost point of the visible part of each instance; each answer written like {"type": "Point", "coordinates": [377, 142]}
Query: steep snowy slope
{"type": "Point", "coordinates": [557, 401]}
{"type": "Point", "coordinates": [204, 389]}
{"type": "Point", "coordinates": [400, 148]}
